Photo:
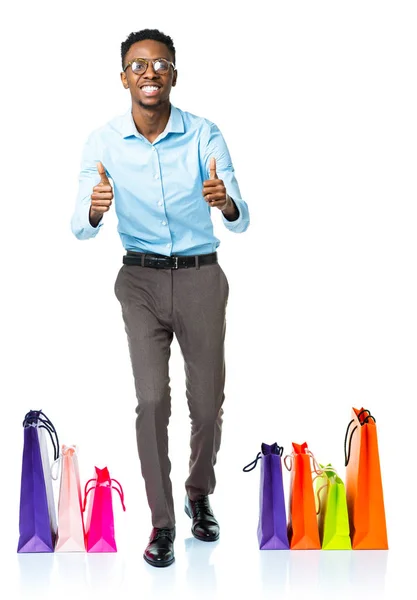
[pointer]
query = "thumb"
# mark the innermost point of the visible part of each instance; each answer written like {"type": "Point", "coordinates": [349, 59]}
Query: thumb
{"type": "Point", "coordinates": [213, 174]}
{"type": "Point", "coordinates": [102, 172]}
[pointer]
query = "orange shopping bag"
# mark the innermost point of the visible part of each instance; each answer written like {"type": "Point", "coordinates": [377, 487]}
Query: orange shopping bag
{"type": "Point", "coordinates": [365, 498]}
{"type": "Point", "coordinates": [303, 531]}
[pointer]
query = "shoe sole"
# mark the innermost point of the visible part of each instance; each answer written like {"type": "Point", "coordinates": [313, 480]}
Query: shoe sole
{"type": "Point", "coordinates": [197, 537]}
{"type": "Point", "coordinates": [158, 563]}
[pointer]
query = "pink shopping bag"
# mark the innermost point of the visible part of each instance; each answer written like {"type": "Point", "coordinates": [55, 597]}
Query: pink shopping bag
{"type": "Point", "coordinates": [71, 536]}
{"type": "Point", "coordinates": [100, 520]}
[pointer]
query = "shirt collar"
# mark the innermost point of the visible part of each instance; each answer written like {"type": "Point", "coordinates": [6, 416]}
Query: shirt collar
{"type": "Point", "coordinates": [175, 124]}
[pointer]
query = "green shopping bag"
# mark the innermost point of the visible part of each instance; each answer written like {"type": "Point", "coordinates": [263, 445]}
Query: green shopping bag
{"type": "Point", "coordinates": [332, 510]}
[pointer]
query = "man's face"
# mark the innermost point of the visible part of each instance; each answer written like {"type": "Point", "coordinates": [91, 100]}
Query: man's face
{"type": "Point", "coordinates": [148, 89]}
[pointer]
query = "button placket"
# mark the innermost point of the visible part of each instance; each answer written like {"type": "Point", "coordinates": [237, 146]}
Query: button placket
{"type": "Point", "coordinates": [160, 202]}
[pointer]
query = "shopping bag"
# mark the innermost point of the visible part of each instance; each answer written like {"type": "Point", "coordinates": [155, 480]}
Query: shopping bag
{"type": "Point", "coordinates": [303, 532]}
{"type": "Point", "coordinates": [272, 522]}
{"type": "Point", "coordinates": [332, 511]}
{"type": "Point", "coordinates": [45, 434]}
{"type": "Point", "coordinates": [71, 535]}
{"type": "Point", "coordinates": [365, 497]}
{"type": "Point", "coordinates": [36, 516]}
{"type": "Point", "coordinates": [100, 536]}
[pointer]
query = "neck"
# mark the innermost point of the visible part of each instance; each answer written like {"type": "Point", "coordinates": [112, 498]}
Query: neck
{"type": "Point", "coordinates": [151, 121]}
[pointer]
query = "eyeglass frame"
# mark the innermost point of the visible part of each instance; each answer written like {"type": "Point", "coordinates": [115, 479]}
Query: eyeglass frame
{"type": "Point", "coordinates": [147, 61]}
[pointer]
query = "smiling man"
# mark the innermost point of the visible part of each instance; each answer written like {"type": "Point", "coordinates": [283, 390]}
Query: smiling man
{"type": "Point", "coordinates": [166, 169]}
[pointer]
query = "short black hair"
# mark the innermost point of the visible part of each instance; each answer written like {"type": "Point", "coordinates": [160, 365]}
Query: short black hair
{"type": "Point", "coordinates": [147, 34]}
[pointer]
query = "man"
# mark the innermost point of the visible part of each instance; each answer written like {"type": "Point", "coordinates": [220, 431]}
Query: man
{"type": "Point", "coordinates": [169, 168]}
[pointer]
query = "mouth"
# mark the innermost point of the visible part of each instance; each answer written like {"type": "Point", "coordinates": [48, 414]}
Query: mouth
{"type": "Point", "coordinates": [150, 90]}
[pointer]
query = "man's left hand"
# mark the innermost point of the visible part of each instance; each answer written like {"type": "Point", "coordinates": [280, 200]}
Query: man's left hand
{"type": "Point", "coordinates": [214, 190]}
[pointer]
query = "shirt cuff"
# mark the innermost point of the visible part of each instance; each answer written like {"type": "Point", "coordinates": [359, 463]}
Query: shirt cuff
{"type": "Point", "coordinates": [83, 230]}
{"type": "Point", "coordinates": [240, 224]}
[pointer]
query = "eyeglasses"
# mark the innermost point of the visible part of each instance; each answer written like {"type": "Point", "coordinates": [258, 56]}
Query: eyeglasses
{"type": "Point", "coordinates": [140, 65]}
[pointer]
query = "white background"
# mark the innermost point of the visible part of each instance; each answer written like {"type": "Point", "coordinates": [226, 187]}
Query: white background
{"type": "Point", "coordinates": [317, 102]}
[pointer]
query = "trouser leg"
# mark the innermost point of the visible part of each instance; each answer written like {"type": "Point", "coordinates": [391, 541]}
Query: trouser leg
{"type": "Point", "coordinates": [199, 306]}
{"type": "Point", "coordinates": [145, 298]}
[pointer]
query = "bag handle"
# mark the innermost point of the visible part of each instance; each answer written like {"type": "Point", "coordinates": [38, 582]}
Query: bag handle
{"type": "Point", "coordinates": [105, 484]}
{"type": "Point", "coordinates": [318, 496]}
{"type": "Point", "coordinates": [32, 419]}
{"type": "Point", "coordinates": [57, 462]}
{"type": "Point", "coordinates": [86, 492]}
{"type": "Point", "coordinates": [325, 471]}
{"type": "Point", "coordinates": [275, 450]}
{"type": "Point", "coordinates": [316, 466]}
{"type": "Point", "coordinates": [252, 464]}
{"type": "Point", "coordinates": [120, 492]}
{"type": "Point", "coordinates": [362, 422]}
{"type": "Point", "coordinates": [65, 451]}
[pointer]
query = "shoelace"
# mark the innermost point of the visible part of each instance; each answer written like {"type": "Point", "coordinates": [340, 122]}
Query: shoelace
{"type": "Point", "coordinates": [202, 506]}
{"type": "Point", "coordinates": [362, 420]}
{"type": "Point", "coordinates": [163, 533]}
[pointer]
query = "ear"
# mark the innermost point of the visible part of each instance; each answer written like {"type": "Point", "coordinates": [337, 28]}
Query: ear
{"type": "Point", "coordinates": [174, 78]}
{"type": "Point", "coordinates": [124, 80]}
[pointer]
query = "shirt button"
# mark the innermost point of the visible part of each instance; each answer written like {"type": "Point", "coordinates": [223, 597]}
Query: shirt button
{"type": "Point", "coordinates": [153, 148]}
{"type": "Point", "coordinates": [159, 203]}
{"type": "Point", "coordinates": [168, 245]}
{"type": "Point", "coordinates": [156, 176]}
{"type": "Point", "coordinates": [163, 222]}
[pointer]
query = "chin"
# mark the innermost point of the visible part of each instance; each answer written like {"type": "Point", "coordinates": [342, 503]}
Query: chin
{"type": "Point", "coordinates": [150, 103]}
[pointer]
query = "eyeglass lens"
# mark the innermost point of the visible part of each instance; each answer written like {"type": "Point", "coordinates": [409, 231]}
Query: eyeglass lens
{"type": "Point", "coordinates": [159, 66]}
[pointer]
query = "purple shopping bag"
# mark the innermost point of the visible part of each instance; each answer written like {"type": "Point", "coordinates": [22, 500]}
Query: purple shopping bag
{"type": "Point", "coordinates": [272, 524]}
{"type": "Point", "coordinates": [36, 532]}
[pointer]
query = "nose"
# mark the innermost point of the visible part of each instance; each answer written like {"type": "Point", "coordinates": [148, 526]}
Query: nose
{"type": "Point", "coordinates": [150, 72]}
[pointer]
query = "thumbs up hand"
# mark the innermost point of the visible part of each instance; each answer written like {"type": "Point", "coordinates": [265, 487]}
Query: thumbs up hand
{"type": "Point", "coordinates": [101, 198]}
{"type": "Point", "coordinates": [214, 190]}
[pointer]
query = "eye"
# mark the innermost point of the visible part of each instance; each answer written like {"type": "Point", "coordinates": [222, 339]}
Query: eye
{"type": "Point", "coordinates": [161, 66]}
{"type": "Point", "coordinates": [139, 66]}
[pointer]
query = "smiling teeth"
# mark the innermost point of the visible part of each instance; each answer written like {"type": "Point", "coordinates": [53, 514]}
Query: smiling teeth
{"type": "Point", "coordinates": [149, 88]}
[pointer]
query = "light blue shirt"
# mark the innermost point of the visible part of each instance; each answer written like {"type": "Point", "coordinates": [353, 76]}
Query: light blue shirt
{"type": "Point", "coordinates": [158, 186]}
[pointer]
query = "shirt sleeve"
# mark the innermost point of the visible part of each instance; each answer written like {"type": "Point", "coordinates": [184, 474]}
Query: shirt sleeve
{"type": "Point", "coordinates": [89, 177]}
{"type": "Point", "coordinates": [216, 146]}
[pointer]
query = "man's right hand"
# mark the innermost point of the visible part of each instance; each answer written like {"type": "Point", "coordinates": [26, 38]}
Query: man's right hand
{"type": "Point", "coordinates": [101, 198]}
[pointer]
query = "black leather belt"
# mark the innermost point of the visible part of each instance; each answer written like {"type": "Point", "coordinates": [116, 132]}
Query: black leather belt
{"type": "Point", "coordinates": [158, 261]}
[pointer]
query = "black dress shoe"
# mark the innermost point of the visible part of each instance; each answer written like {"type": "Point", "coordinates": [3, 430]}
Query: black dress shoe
{"type": "Point", "coordinates": [160, 550]}
{"type": "Point", "coordinates": [204, 527]}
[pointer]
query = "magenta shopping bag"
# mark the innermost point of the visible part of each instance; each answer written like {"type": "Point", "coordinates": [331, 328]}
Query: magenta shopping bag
{"type": "Point", "coordinates": [99, 527]}
{"type": "Point", "coordinates": [272, 523]}
{"type": "Point", "coordinates": [36, 526]}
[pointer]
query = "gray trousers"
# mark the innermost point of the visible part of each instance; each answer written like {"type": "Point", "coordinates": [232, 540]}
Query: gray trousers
{"type": "Point", "coordinates": [190, 303]}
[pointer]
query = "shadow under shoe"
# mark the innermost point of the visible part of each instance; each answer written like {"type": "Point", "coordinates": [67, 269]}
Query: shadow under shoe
{"type": "Point", "coordinates": [205, 526]}
{"type": "Point", "coordinates": [160, 550]}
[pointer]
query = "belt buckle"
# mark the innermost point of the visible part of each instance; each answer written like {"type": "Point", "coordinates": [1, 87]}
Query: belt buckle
{"type": "Point", "coordinates": [176, 262]}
